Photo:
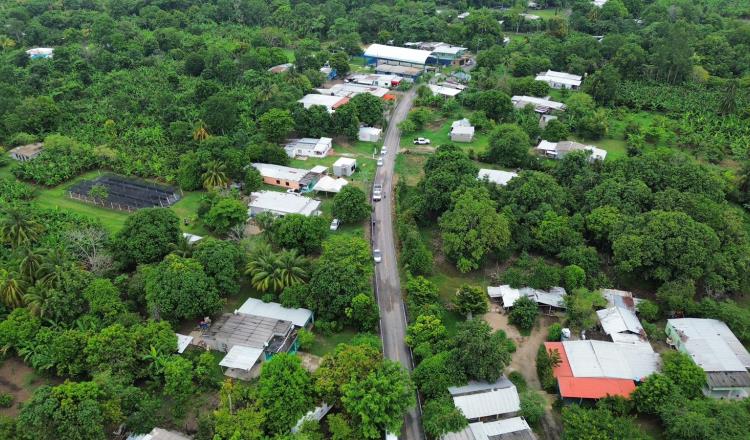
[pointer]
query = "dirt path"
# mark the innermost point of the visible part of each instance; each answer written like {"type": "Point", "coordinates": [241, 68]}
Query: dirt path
{"type": "Point", "coordinates": [524, 360]}
{"type": "Point", "coordinates": [19, 381]}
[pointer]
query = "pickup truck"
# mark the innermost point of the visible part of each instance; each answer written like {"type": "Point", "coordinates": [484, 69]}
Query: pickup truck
{"type": "Point", "coordinates": [421, 141]}
{"type": "Point", "coordinates": [377, 192]}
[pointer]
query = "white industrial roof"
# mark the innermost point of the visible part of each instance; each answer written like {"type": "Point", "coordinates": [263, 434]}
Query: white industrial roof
{"type": "Point", "coordinates": [283, 203]}
{"type": "Point", "coordinates": [280, 172]}
{"type": "Point", "coordinates": [611, 359]}
{"type": "Point", "coordinates": [319, 169]}
{"type": "Point", "coordinates": [40, 51]}
{"type": "Point", "coordinates": [368, 130]}
{"type": "Point", "coordinates": [330, 102]}
{"type": "Point", "coordinates": [394, 53]}
{"type": "Point", "coordinates": [462, 130]}
{"type": "Point", "coordinates": [498, 177]}
{"type": "Point", "coordinates": [345, 161]}
{"type": "Point", "coordinates": [619, 320]}
{"type": "Point", "coordinates": [447, 48]}
{"type": "Point", "coordinates": [547, 146]}
{"type": "Point", "coordinates": [254, 306]}
{"type": "Point", "coordinates": [559, 77]}
{"type": "Point", "coordinates": [490, 430]}
{"type": "Point", "coordinates": [554, 297]}
{"type": "Point", "coordinates": [711, 344]}
{"type": "Point", "coordinates": [182, 342]}
{"type": "Point", "coordinates": [330, 184]}
{"type": "Point", "coordinates": [523, 101]}
{"type": "Point", "coordinates": [241, 358]}
{"type": "Point", "coordinates": [445, 91]}
{"type": "Point", "coordinates": [481, 399]}
{"type": "Point", "coordinates": [159, 434]}
{"type": "Point", "coordinates": [461, 123]}
{"type": "Point", "coordinates": [352, 89]}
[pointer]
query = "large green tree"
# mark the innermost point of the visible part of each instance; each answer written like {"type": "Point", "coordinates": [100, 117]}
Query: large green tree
{"type": "Point", "coordinates": [479, 352]}
{"type": "Point", "coordinates": [285, 389]}
{"type": "Point", "coordinates": [147, 236]}
{"type": "Point", "coordinates": [350, 205]}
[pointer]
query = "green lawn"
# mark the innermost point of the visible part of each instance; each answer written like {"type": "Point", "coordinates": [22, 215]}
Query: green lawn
{"type": "Point", "coordinates": [325, 344]}
{"type": "Point", "coordinates": [438, 133]}
{"type": "Point", "coordinates": [113, 220]}
{"type": "Point", "coordinates": [549, 13]}
{"type": "Point", "coordinates": [362, 151]}
{"type": "Point", "coordinates": [289, 54]}
{"type": "Point", "coordinates": [410, 167]}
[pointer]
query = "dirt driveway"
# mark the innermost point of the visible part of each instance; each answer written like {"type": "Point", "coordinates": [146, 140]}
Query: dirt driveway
{"type": "Point", "coordinates": [19, 381]}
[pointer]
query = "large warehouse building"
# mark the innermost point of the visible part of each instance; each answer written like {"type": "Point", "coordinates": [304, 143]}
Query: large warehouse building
{"type": "Point", "coordinates": [378, 54]}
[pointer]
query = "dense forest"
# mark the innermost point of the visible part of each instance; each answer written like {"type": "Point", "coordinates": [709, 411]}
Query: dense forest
{"type": "Point", "coordinates": [178, 92]}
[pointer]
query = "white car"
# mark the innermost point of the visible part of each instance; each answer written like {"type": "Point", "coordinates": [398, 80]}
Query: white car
{"type": "Point", "coordinates": [377, 192]}
{"type": "Point", "coordinates": [380, 162]}
{"type": "Point", "coordinates": [377, 256]}
{"type": "Point", "coordinates": [421, 141]}
{"type": "Point", "coordinates": [383, 150]}
{"type": "Point", "coordinates": [335, 224]}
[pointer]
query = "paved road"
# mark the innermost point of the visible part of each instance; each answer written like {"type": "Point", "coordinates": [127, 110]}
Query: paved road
{"type": "Point", "coordinates": [392, 312]}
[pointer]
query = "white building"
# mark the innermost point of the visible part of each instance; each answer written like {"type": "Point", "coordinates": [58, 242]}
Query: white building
{"type": "Point", "coordinates": [462, 131]}
{"type": "Point", "coordinates": [486, 401]}
{"type": "Point", "coordinates": [394, 55]}
{"type": "Point", "coordinates": [280, 203]}
{"type": "Point", "coordinates": [715, 348]}
{"type": "Point", "coordinates": [558, 150]}
{"type": "Point", "coordinates": [350, 90]}
{"type": "Point", "coordinates": [541, 105]}
{"type": "Point", "coordinates": [330, 184]}
{"type": "Point", "coordinates": [159, 434]}
{"type": "Point", "coordinates": [308, 147]}
{"type": "Point", "coordinates": [331, 103]}
{"type": "Point", "coordinates": [622, 325]}
{"type": "Point", "coordinates": [24, 153]}
{"type": "Point", "coordinates": [515, 428]}
{"type": "Point", "coordinates": [41, 53]}
{"type": "Point", "coordinates": [554, 297]}
{"type": "Point", "coordinates": [369, 134]}
{"type": "Point", "coordinates": [344, 166]}
{"type": "Point", "coordinates": [497, 177]}
{"type": "Point", "coordinates": [613, 360]}
{"type": "Point", "coordinates": [374, 79]}
{"type": "Point", "coordinates": [560, 80]}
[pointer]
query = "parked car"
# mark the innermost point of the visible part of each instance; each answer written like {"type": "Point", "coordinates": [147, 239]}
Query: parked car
{"type": "Point", "coordinates": [377, 256]}
{"type": "Point", "coordinates": [421, 141]}
{"type": "Point", "coordinates": [380, 162]}
{"type": "Point", "coordinates": [377, 192]}
{"type": "Point", "coordinates": [335, 224]}
{"type": "Point", "coordinates": [383, 150]}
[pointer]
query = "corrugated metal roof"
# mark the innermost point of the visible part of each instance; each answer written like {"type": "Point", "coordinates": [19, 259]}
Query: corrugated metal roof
{"type": "Point", "coordinates": [481, 399]}
{"type": "Point", "coordinates": [254, 306]}
{"type": "Point", "coordinates": [498, 177]}
{"type": "Point", "coordinates": [280, 172]}
{"type": "Point", "coordinates": [711, 344]}
{"type": "Point", "coordinates": [554, 297]}
{"type": "Point", "coordinates": [618, 320]}
{"type": "Point", "coordinates": [394, 53]}
{"type": "Point", "coordinates": [182, 342]}
{"type": "Point", "coordinates": [284, 203]}
{"type": "Point", "coordinates": [523, 101]}
{"type": "Point", "coordinates": [610, 359]}
{"type": "Point", "coordinates": [242, 358]}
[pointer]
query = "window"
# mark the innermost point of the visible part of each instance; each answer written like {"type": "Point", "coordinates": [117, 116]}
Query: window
{"type": "Point", "coordinates": [278, 182]}
{"type": "Point", "coordinates": [287, 183]}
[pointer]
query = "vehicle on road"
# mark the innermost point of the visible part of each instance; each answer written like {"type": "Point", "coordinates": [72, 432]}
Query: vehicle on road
{"type": "Point", "coordinates": [335, 224]}
{"type": "Point", "coordinates": [421, 141]}
{"type": "Point", "coordinates": [377, 192]}
{"type": "Point", "coordinates": [377, 256]}
{"type": "Point", "coordinates": [380, 162]}
{"type": "Point", "coordinates": [383, 150]}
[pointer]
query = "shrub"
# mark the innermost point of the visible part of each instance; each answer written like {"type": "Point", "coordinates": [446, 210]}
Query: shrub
{"type": "Point", "coordinates": [524, 312]}
{"type": "Point", "coordinates": [532, 406]}
{"type": "Point", "coordinates": [6, 400]}
{"type": "Point", "coordinates": [306, 339]}
{"type": "Point", "coordinates": [554, 333]}
{"type": "Point", "coordinates": [518, 380]}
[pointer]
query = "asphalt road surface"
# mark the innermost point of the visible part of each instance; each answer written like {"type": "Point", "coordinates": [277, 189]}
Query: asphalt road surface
{"type": "Point", "coordinates": [392, 312]}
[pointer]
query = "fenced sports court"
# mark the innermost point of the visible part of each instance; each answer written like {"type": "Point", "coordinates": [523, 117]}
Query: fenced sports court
{"type": "Point", "coordinates": [125, 193]}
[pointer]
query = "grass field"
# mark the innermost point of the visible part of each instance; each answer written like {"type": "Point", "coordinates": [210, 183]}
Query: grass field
{"type": "Point", "coordinates": [439, 134]}
{"type": "Point", "coordinates": [325, 344]}
{"type": "Point", "coordinates": [362, 151]}
{"type": "Point", "coordinates": [112, 220]}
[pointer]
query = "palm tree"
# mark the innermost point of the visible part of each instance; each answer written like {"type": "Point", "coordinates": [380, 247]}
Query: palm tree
{"type": "Point", "coordinates": [293, 268]}
{"type": "Point", "coordinates": [52, 268]}
{"type": "Point", "coordinates": [182, 248]}
{"type": "Point", "coordinates": [200, 133]}
{"type": "Point", "coordinates": [30, 262]}
{"type": "Point", "coordinates": [12, 288]}
{"type": "Point", "coordinates": [215, 175]}
{"type": "Point", "coordinates": [37, 300]}
{"type": "Point", "coordinates": [18, 228]}
{"type": "Point", "coordinates": [265, 273]}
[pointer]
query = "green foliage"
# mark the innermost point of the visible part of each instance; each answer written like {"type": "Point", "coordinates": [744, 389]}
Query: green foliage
{"type": "Point", "coordinates": [379, 401]}
{"type": "Point", "coordinates": [440, 416]}
{"type": "Point", "coordinates": [275, 272]}
{"type": "Point", "coordinates": [369, 109]}
{"type": "Point", "coordinates": [574, 277]}
{"type": "Point", "coordinates": [295, 231]}
{"type": "Point", "coordinates": [436, 373]}
{"type": "Point", "coordinates": [598, 424]}
{"type": "Point", "coordinates": [285, 388]}
{"type": "Point", "coordinates": [479, 352]}
{"type": "Point", "coordinates": [470, 300]}
{"type": "Point", "coordinates": [225, 213]}
{"type": "Point", "coordinates": [444, 172]}
{"type": "Point", "coordinates": [253, 180]}
{"type": "Point", "coordinates": [221, 261]}
{"type": "Point", "coordinates": [554, 332]}
{"type": "Point", "coordinates": [364, 312]}
{"type": "Point", "coordinates": [546, 361]}
{"type": "Point", "coordinates": [178, 383]}
{"type": "Point", "coordinates": [426, 335]}
{"type": "Point", "coordinates": [495, 104]}
{"type": "Point", "coordinates": [61, 160]}
{"type": "Point", "coordinates": [305, 338]}
{"type": "Point", "coordinates": [524, 313]}
{"type": "Point", "coordinates": [532, 407]}
{"type": "Point", "coordinates": [581, 305]}
{"type": "Point", "coordinates": [648, 310]}
{"type": "Point", "coordinates": [6, 400]}
{"type": "Point", "coordinates": [415, 255]}
{"type": "Point", "coordinates": [275, 124]}
{"type": "Point", "coordinates": [680, 368]}
{"type": "Point", "coordinates": [350, 205]}
{"type": "Point", "coordinates": [178, 288]}
{"type": "Point", "coordinates": [655, 393]}
{"type": "Point", "coordinates": [147, 236]}
{"type": "Point", "coordinates": [509, 146]}
{"type": "Point", "coordinates": [473, 229]}
{"type": "Point", "coordinates": [705, 419]}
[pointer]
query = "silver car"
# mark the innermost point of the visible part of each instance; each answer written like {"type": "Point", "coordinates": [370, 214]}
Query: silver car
{"type": "Point", "coordinates": [377, 256]}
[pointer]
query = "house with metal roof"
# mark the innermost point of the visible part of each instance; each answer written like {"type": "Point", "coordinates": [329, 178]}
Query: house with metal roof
{"type": "Point", "coordinates": [596, 369]}
{"type": "Point", "coordinates": [483, 401]}
{"type": "Point", "coordinates": [286, 177]}
{"type": "Point", "coordinates": [558, 150]}
{"type": "Point", "coordinates": [160, 434]}
{"type": "Point", "coordinates": [552, 298]}
{"type": "Point", "coordinates": [350, 90]}
{"type": "Point", "coordinates": [37, 53]}
{"type": "Point", "coordinates": [498, 177]}
{"type": "Point", "coordinates": [622, 325]}
{"type": "Point", "coordinates": [621, 298]}
{"type": "Point", "coordinates": [27, 152]}
{"type": "Point", "coordinates": [377, 54]}
{"type": "Point", "coordinates": [540, 105]}
{"type": "Point", "coordinates": [279, 203]}
{"type": "Point", "coordinates": [514, 428]}
{"type": "Point", "coordinates": [308, 147]}
{"type": "Point", "coordinates": [715, 348]}
{"type": "Point", "coordinates": [462, 131]}
{"type": "Point", "coordinates": [560, 80]}
{"type": "Point", "coordinates": [331, 103]}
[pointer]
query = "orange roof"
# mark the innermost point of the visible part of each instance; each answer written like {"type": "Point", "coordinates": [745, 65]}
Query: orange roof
{"type": "Point", "coordinates": [340, 103]}
{"type": "Point", "coordinates": [594, 387]}
{"type": "Point", "coordinates": [389, 97]}
{"type": "Point", "coordinates": [562, 370]}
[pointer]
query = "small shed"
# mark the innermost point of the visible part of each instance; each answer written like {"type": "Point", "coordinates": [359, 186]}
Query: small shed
{"type": "Point", "coordinates": [369, 134]}
{"type": "Point", "coordinates": [40, 53]}
{"type": "Point", "coordinates": [344, 166]}
{"type": "Point", "coordinates": [330, 184]}
{"type": "Point", "coordinates": [26, 152]}
{"type": "Point", "coordinates": [240, 360]}
{"type": "Point", "coordinates": [182, 342]}
{"type": "Point", "coordinates": [462, 131]}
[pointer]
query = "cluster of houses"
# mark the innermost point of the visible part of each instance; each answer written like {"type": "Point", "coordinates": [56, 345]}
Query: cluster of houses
{"type": "Point", "coordinates": [612, 360]}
